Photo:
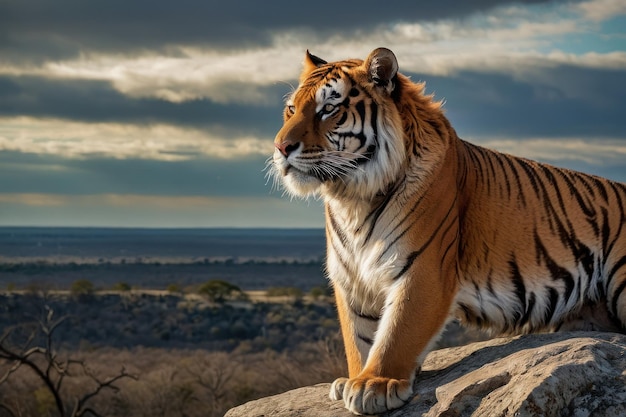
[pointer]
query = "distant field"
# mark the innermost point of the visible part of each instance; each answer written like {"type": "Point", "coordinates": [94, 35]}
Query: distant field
{"type": "Point", "coordinates": [252, 259]}
{"type": "Point", "coordinates": [249, 276]}
{"type": "Point", "coordinates": [94, 245]}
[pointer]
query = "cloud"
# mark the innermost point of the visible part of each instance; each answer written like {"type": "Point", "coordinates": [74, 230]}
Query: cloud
{"type": "Point", "coordinates": [605, 158]}
{"type": "Point", "coordinates": [598, 10]}
{"type": "Point", "coordinates": [201, 176]}
{"type": "Point", "coordinates": [194, 73]}
{"type": "Point", "coordinates": [564, 150]}
{"type": "Point", "coordinates": [97, 101]}
{"type": "Point", "coordinates": [71, 139]}
{"type": "Point", "coordinates": [505, 39]}
{"type": "Point", "coordinates": [68, 28]}
{"type": "Point", "coordinates": [87, 119]}
{"type": "Point", "coordinates": [563, 101]}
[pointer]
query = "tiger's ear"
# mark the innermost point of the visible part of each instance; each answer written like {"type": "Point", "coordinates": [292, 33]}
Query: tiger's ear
{"type": "Point", "coordinates": [382, 67]}
{"type": "Point", "coordinates": [311, 62]}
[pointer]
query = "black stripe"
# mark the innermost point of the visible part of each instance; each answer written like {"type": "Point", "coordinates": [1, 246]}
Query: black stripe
{"type": "Point", "coordinates": [375, 214]}
{"type": "Point", "coordinates": [490, 283]}
{"type": "Point", "coordinates": [617, 232]}
{"type": "Point", "coordinates": [466, 311]}
{"type": "Point", "coordinates": [334, 227]}
{"type": "Point", "coordinates": [360, 136]}
{"type": "Point", "coordinates": [588, 210]}
{"type": "Point", "coordinates": [337, 229]}
{"type": "Point", "coordinates": [529, 309]}
{"type": "Point", "coordinates": [618, 196]}
{"type": "Point", "coordinates": [413, 255]}
{"type": "Point", "coordinates": [565, 233]}
{"type": "Point", "coordinates": [505, 174]}
{"type": "Point", "coordinates": [366, 339]}
{"type": "Point", "coordinates": [531, 174]}
{"type": "Point", "coordinates": [409, 261]}
{"type": "Point", "coordinates": [616, 295]}
{"type": "Point", "coordinates": [406, 229]}
{"type": "Point", "coordinates": [515, 172]}
{"type": "Point", "coordinates": [518, 283]}
{"type": "Point", "coordinates": [547, 172]}
{"type": "Point", "coordinates": [404, 219]}
{"type": "Point", "coordinates": [499, 180]}
{"type": "Point", "coordinates": [374, 119]}
{"type": "Point", "coordinates": [601, 188]}
{"type": "Point", "coordinates": [606, 231]}
{"type": "Point", "coordinates": [586, 258]}
{"type": "Point", "coordinates": [554, 301]}
{"type": "Point", "coordinates": [601, 290]}
{"type": "Point", "coordinates": [342, 261]}
{"type": "Point", "coordinates": [364, 316]}
{"type": "Point", "coordinates": [445, 253]}
{"type": "Point", "coordinates": [556, 272]}
{"type": "Point", "coordinates": [581, 252]}
{"type": "Point", "coordinates": [616, 267]}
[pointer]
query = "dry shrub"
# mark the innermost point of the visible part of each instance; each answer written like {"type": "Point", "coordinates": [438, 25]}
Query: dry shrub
{"type": "Point", "coordinates": [177, 383]}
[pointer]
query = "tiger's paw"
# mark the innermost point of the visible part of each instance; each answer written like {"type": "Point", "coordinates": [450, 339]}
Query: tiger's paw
{"type": "Point", "coordinates": [371, 395]}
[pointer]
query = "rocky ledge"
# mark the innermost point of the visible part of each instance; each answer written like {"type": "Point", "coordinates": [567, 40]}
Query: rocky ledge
{"type": "Point", "coordinates": [581, 374]}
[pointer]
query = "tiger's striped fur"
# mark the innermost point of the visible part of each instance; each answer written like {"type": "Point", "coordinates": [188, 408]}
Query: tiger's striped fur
{"type": "Point", "coordinates": [422, 226]}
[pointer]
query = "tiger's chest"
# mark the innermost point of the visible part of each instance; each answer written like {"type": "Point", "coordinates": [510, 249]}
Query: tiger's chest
{"type": "Point", "coordinates": [364, 269]}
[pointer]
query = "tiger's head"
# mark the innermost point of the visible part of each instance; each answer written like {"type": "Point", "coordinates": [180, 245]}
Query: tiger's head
{"type": "Point", "coordinates": [342, 132]}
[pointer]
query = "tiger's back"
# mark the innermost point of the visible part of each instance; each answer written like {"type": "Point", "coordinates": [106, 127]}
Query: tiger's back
{"type": "Point", "coordinates": [422, 226]}
{"type": "Point", "coordinates": [543, 241]}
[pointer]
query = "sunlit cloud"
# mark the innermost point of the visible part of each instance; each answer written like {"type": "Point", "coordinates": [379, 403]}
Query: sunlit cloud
{"type": "Point", "coordinates": [564, 150]}
{"type": "Point", "coordinates": [511, 39]}
{"type": "Point", "coordinates": [113, 140]}
{"type": "Point", "coordinates": [599, 10]}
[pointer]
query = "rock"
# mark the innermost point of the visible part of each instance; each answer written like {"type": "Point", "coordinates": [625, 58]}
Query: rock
{"type": "Point", "coordinates": [580, 374]}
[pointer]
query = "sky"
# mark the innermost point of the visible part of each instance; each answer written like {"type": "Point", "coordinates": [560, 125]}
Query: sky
{"type": "Point", "coordinates": [162, 114]}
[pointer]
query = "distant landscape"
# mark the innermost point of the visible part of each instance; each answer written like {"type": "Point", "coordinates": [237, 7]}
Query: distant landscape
{"type": "Point", "coordinates": [144, 301]}
{"type": "Point", "coordinates": [252, 259]}
{"type": "Point", "coordinates": [192, 322]}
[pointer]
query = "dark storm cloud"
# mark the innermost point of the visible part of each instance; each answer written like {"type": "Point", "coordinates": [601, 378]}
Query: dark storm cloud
{"type": "Point", "coordinates": [564, 101]}
{"type": "Point", "coordinates": [30, 173]}
{"type": "Point", "coordinates": [98, 101]}
{"type": "Point", "coordinates": [36, 30]}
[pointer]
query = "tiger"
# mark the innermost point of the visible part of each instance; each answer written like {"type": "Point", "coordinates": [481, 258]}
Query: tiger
{"type": "Point", "coordinates": [423, 227]}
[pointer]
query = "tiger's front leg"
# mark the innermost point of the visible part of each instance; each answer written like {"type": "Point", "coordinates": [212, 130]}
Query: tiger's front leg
{"type": "Point", "coordinates": [415, 314]}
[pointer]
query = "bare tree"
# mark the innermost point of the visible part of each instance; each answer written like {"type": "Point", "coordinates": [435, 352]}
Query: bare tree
{"type": "Point", "coordinates": [214, 373]}
{"type": "Point", "coordinates": [37, 353]}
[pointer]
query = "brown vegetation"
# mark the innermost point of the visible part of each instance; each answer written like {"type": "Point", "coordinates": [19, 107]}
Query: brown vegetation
{"type": "Point", "coordinates": [178, 382]}
{"type": "Point", "coordinates": [272, 347]}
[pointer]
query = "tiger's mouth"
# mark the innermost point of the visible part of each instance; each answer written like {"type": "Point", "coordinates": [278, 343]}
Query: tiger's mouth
{"type": "Point", "coordinates": [300, 174]}
{"type": "Point", "coordinates": [304, 174]}
{"type": "Point", "coordinates": [291, 168]}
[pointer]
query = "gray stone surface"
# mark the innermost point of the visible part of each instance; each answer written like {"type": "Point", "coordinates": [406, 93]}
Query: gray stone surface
{"type": "Point", "coordinates": [581, 374]}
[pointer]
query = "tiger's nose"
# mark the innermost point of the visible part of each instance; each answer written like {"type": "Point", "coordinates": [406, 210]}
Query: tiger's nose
{"type": "Point", "coordinates": [287, 147]}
